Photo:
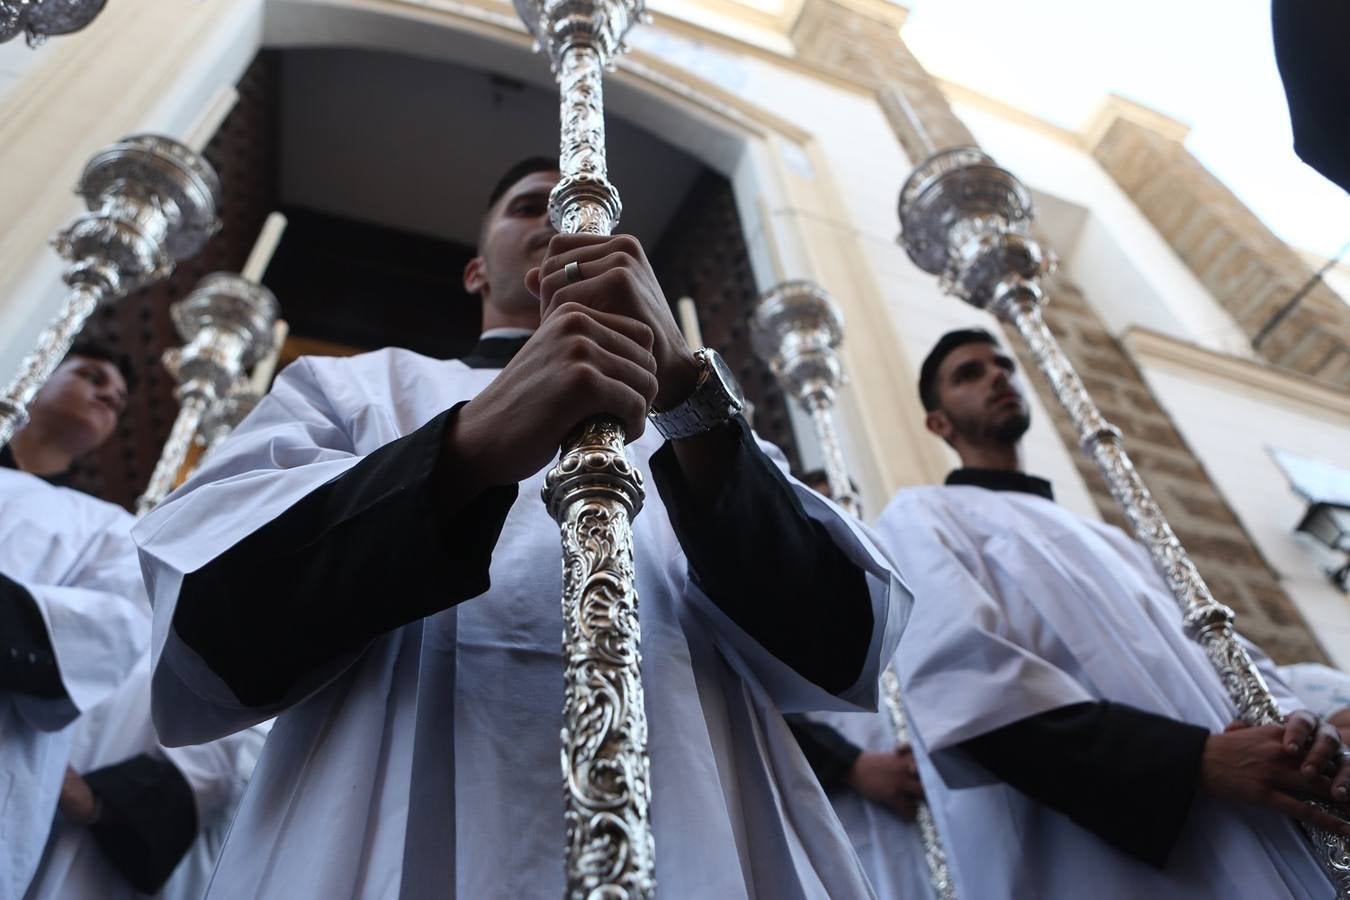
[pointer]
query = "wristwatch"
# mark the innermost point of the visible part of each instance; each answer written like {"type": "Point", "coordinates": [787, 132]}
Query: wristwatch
{"type": "Point", "coordinates": [717, 398]}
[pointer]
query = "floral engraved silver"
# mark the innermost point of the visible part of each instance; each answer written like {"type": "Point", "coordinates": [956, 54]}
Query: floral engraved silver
{"type": "Point", "coordinates": [40, 19]}
{"type": "Point", "coordinates": [967, 220]}
{"type": "Point", "coordinates": [152, 202]}
{"type": "Point", "coordinates": [593, 494]}
{"type": "Point", "coordinates": [227, 324]}
{"type": "Point", "coordinates": [797, 329]}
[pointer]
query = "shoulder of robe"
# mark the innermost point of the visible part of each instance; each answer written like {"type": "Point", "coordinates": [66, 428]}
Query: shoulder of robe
{"type": "Point", "coordinates": [376, 377]}
{"type": "Point", "coordinates": [19, 489]}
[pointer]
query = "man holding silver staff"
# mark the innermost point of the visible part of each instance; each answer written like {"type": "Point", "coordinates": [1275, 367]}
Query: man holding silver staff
{"type": "Point", "coordinates": [114, 810]}
{"type": "Point", "coordinates": [1070, 737]}
{"type": "Point", "coordinates": [367, 559]}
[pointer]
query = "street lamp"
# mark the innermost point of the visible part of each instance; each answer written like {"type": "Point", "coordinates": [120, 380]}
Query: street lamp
{"type": "Point", "coordinates": [1329, 523]}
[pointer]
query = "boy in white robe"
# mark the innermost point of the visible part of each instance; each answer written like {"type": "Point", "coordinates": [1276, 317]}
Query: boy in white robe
{"type": "Point", "coordinates": [75, 682]}
{"type": "Point", "coordinates": [1070, 738]}
{"type": "Point", "coordinates": [367, 559]}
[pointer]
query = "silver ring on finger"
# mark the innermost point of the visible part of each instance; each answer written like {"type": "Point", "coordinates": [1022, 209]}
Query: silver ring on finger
{"type": "Point", "coordinates": [573, 272]}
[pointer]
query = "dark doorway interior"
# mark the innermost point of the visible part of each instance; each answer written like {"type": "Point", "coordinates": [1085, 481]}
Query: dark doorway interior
{"type": "Point", "coordinates": [348, 283]}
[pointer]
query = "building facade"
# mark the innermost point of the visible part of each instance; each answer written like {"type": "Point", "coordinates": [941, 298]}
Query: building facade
{"type": "Point", "coordinates": [753, 142]}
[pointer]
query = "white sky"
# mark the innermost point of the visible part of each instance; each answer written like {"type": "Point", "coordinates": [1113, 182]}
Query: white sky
{"type": "Point", "coordinates": [1208, 63]}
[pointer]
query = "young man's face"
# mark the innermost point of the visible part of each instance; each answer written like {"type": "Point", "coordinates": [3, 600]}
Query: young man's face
{"type": "Point", "coordinates": [514, 240]}
{"type": "Point", "coordinates": [980, 397]}
{"type": "Point", "coordinates": [80, 404]}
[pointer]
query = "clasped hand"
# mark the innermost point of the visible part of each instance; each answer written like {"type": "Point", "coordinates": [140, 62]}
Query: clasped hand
{"type": "Point", "coordinates": [606, 345]}
{"type": "Point", "coordinates": [1280, 766]}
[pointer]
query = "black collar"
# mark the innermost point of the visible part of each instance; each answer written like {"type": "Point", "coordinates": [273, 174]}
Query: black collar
{"type": "Point", "coordinates": [60, 479]}
{"type": "Point", "coordinates": [1000, 480]}
{"type": "Point", "coordinates": [494, 352]}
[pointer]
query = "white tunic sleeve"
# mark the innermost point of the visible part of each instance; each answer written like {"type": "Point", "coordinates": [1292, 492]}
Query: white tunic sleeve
{"type": "Point", "coordinates": [74, 556]}
{"type": "Point", "coordinates": [290, 445]}
{"type": "Point", "coordinates": [965, 669]}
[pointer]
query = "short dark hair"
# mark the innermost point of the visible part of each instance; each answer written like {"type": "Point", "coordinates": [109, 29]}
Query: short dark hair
{"type": "Point", "coordinates": [93, 348]}
{"type": "Point", "coordinates": [514, 174]}
{"type": "Point", "coordinates": [928, 372]}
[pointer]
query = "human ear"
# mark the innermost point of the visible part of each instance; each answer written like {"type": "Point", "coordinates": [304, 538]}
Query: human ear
{"type": "Point", "coordinates": [475, 275]}
{"type": "Point", "coordinates": [938, 423]}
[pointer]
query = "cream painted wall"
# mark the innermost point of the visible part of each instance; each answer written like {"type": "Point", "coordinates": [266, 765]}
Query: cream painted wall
{"type": "Point", "coordinates": [856, 157]}
{"type": "Point", "coordinates": [1119, 259]}
{"type": "Point", "coordinates": [1231, 426]}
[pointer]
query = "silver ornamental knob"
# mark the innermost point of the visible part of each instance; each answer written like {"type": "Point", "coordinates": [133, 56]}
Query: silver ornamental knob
{"type": "Point", "coordinates": [968, 220]}
{"type": "Point", "coordinates": [152, 202]}
{"type": "Point", "coordinates": [41, 19]}
{"type": "Point", "coordinates": [797, 328]}
{"type": "Point", "coordinates": [226, 323]}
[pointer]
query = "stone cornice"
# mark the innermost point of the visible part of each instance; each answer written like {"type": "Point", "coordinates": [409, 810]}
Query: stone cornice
{"type": "Point", "coordinates": [1151, 348]}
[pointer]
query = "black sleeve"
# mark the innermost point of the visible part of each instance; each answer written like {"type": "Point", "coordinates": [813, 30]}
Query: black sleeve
{"type": "Point", "coordinates": [1313, 56]}
{"type": "Point", "coordinates": [771, 568]}
{"type": "Point", "coordinates": [1124, 774]}
{"type": "Point", "coordinates": [829, 753]}
{"type": "Point", "coordinates": [27, 660]}
{"type": "Point", "coordinates": [148, 819]}
{"type": "Point", "coordinates": [357, 557]}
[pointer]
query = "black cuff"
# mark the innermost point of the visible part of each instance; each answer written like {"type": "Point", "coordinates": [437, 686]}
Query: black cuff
{"type": "Point", "coordinates": [830, 754]}
{"type": "Point", "coordinates": [355, 558]}
{"type": "Point", "coordinates": [1124, 774]}
{"type": "Point", "coordinates": [148, 819]}
{"type": "Point", "coordinates": [774, 570]}
{"type": "Point", "coordinates": [27, 659]}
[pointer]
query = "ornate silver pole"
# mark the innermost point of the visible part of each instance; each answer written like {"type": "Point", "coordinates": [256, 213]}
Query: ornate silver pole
{"type": "Point", "coordinates": [152, 203]}
{"type": "Point", "coordinates": [797, 329]}
{"type": "Point", "coordinates": [967, 220]}
{"type": "Point", "coordinates": [227, 324]}
{"type": "Point", "coordinates": [40, 19]}
{"type": "Point", "coordinates": [593, 494]}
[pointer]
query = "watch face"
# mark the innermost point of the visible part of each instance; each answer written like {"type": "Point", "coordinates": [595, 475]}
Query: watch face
{"type": "Point", "coordinates": [728, 379]}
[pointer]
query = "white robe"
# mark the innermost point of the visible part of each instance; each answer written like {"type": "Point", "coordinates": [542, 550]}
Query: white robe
{"type": "Point", "coordinates": [73, 553]}
{"type": "Point", "coordinates": [429, 766]}
{"type": "Point", "coordinates": [1020, 608]}
{"type": "Point", "coordinates": [888, 847]}
{"type": "Point", "coordinates": [73, 866]}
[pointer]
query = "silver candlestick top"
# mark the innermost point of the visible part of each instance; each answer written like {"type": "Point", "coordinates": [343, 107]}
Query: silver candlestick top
{"type": "Point", "coordinates": [797, 328]}
{"type": "Point", "coordinates": [152, 202]}
{"type": "Point", "coordinates": [40, 19]}
{"type": "Point", "coordinates": [967, 220]}
{"type": "Point", "coordinates": [227, 324]}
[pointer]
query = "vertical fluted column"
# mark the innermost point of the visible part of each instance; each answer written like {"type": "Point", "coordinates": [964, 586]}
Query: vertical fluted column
{"type": "Point", "coordinates": [967, 220]}
{"type": "Point", "coordinates": [152, 202]}
{"type": "Point", "coordinates": [593, 494]}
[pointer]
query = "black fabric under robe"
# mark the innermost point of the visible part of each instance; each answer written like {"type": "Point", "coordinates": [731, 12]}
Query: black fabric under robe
{"type": "Point", "coordinates": [1312, 50]}
{"type": "Point", "coordinates": [1124, 774]}
{"type": "Point", "coordinates": [147, 821]}
{"type": "Point", "coordinates": [320, 563]}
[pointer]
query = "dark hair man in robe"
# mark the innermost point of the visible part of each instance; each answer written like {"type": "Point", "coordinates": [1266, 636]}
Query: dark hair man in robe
{"type": "Point", "coordinates": [74, 623]}
{"type": "Point", "coordinates": [1064, 726]}
{"type": "Point", "coordinates": [73, 414]}
{"type": "Point", "coordinates": [368, 558]}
